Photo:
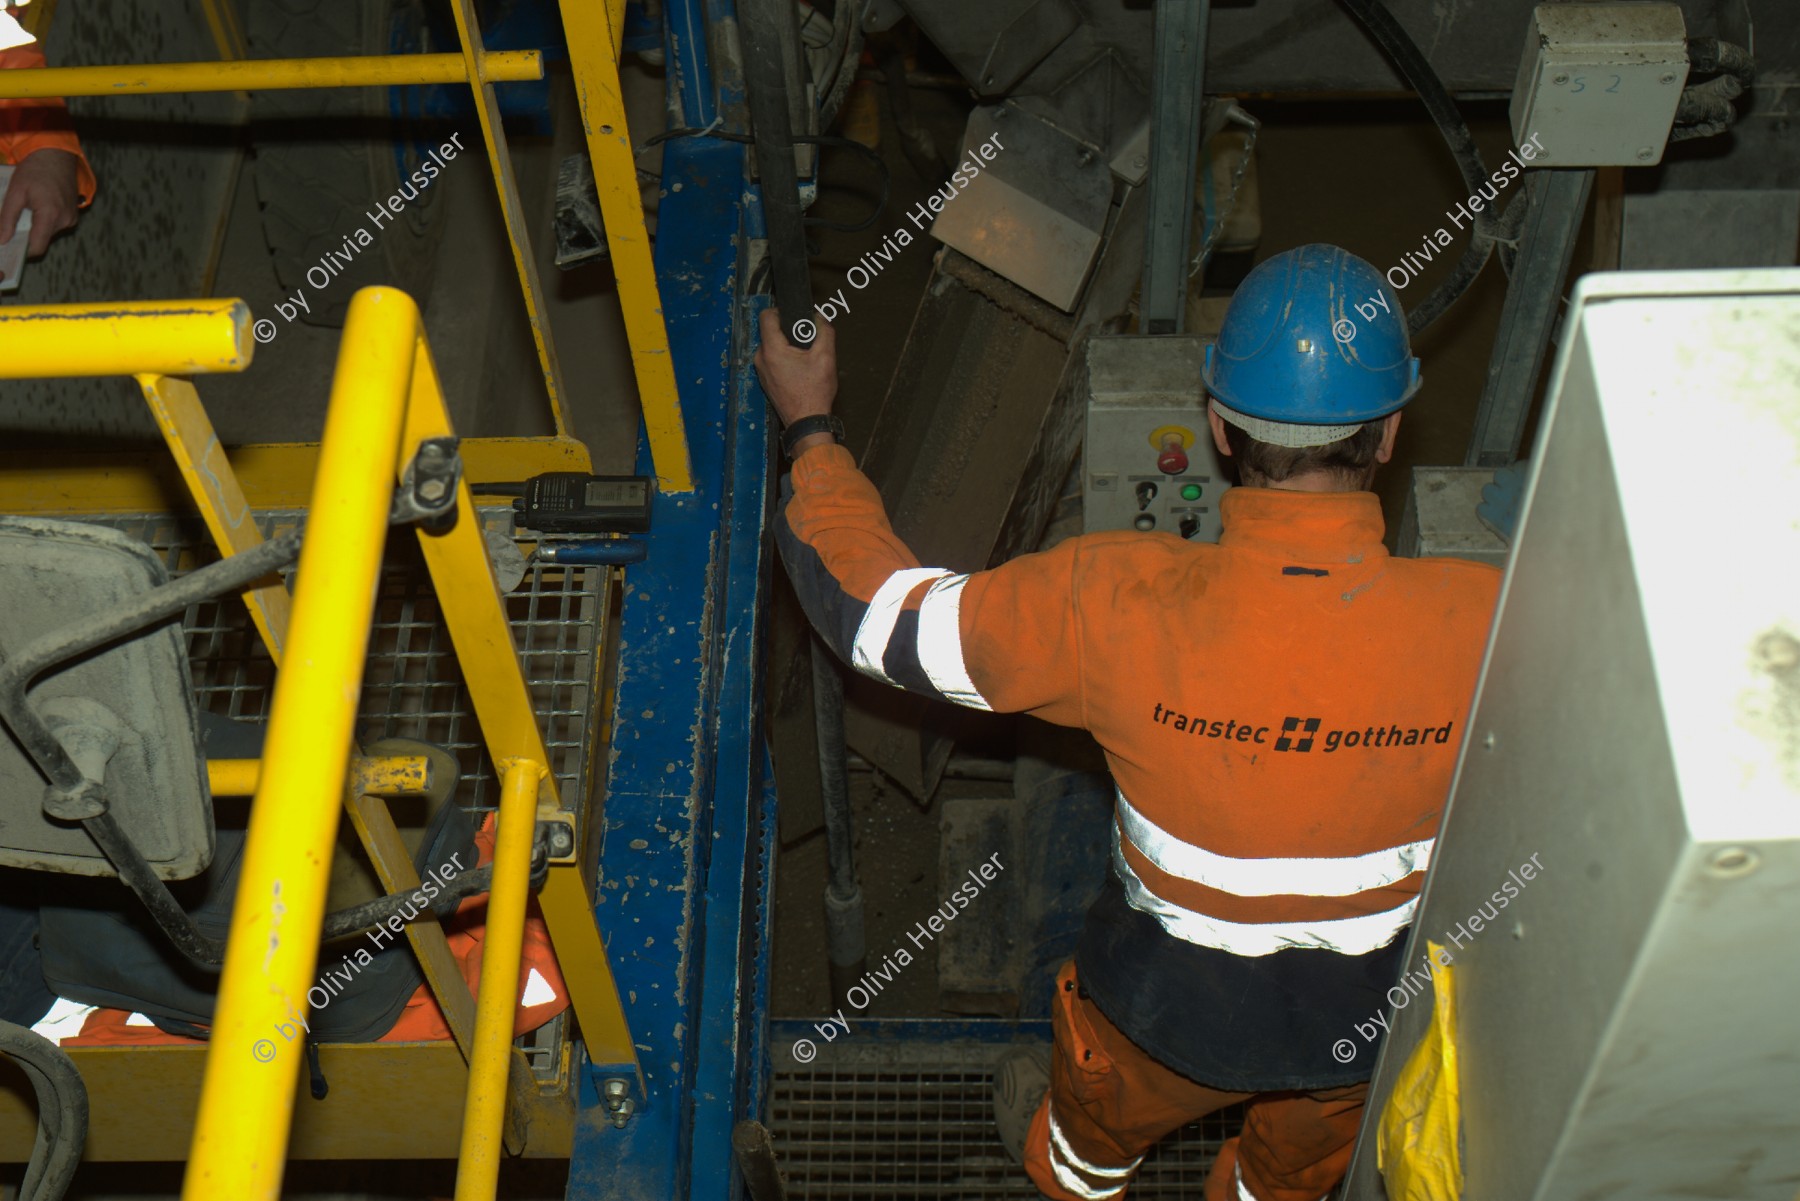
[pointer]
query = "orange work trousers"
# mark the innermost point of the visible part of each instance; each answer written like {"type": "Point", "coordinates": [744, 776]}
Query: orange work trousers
{"type": "Point", "coordinates": [1109, 1102]}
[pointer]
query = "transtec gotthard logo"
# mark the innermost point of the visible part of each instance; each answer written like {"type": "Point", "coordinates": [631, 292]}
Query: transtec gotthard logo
{"type": "Point", "coordinates": [1300, 734]}
{"type": "Point", "coordinates": [1291, 724]}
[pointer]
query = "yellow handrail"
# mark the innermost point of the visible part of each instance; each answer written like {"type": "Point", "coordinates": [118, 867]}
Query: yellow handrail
{"type": "Point", "coordinates": [484, 1105]}
{"type": "Point", "coordinates": [163, 337]}
{"type": "Point", "coordinates": [268, 74]}
{"type": "Point", "coordinates": [385, 398]}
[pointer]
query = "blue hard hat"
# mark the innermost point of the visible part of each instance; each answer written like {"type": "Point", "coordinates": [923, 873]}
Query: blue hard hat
{"type": "Point", "coordinates": [1314, 337]}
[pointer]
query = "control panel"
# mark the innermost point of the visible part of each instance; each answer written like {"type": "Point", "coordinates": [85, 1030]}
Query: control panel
{"type": "Point", "coordinates": [1149, 462]}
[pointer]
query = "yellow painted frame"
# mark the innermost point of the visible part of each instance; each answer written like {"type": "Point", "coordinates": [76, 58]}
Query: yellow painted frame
{"type": "Point", "coordinates": [386, 400]}
{"type": "Point", "coordinates": [592, 31]}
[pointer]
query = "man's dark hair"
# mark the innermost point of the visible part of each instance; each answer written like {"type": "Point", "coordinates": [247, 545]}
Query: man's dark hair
{"type": "Point", "coordinates": [1350, 459]}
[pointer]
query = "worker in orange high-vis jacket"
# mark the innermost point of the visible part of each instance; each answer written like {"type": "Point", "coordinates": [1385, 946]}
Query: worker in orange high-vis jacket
{"type": "Point", "coordinates": [51, 176]}
{"type": "Point", "coordinates": [1281, 713]}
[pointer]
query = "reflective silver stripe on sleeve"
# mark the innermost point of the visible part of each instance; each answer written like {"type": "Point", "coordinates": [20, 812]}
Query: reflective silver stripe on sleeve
{"type": "Point", "coordinates": [877, 624]}
{"type": "Point", "coordinates": [1345, 935]}
{"type": "Point", "coordinates": [940, 643]}
{"type": "Point", "coordinates": [1065, 1166]}
{"type": "Point", "coordinates": [1270, 877]}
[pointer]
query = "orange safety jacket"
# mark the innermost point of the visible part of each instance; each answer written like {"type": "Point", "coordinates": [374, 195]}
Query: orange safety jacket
{"type": "Point", "coordinates": [1281, 713]}
{"type": "Point", "coordinates": [39, 124]}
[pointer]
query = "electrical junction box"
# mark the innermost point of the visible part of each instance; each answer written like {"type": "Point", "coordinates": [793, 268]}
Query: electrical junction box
{"type": "Point", "coordinates": [1599, 83]}
{"type": "Point", "coordinates": [1149, 462]}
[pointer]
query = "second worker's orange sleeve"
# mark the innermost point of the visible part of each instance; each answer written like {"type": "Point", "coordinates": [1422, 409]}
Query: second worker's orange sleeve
{"type": "Point", "coordinates": [30, 125]}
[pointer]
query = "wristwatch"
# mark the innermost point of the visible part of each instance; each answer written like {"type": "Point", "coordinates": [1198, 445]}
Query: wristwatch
{"type": "Point", "coordinates": [806, 427]}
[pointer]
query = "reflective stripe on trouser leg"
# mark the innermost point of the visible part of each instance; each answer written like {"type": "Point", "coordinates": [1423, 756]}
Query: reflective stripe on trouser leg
{"type": "Point", "coordinates": [1243, 1192]}
{"type": "Point", "coordinates": [1065, 1164]}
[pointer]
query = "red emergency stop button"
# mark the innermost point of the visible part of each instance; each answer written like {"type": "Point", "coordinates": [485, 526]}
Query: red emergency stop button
{"type": "Point", "coordinates": [1173, 458]}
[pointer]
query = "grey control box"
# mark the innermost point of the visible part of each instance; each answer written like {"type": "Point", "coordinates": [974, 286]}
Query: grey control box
{"type": "Point", "coordinates": [1149, 462]}
{"type": "Point", "coordinates": [1599, 83]}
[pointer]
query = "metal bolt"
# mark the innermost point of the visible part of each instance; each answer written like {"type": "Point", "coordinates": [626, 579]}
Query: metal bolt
{"type": "Point", "coordinates": [1730, 862]}
{"type": "Point", "coordinates": [1140, 162]}
{"type": "Point", "coordinates": [1667, 79]}
{"type": "Point", "coordinates": [1489, 740]}
{"type": "Point", "coordinates": [617, 1090]}
{"type": "Point", "coordinates": [1084, 156]}
{"type": "Point", "coordinates": [623, 1113]}
{"type": "Point", "coordinates": [562, 840]}
{"type": "Point", "coordinates": [1560, 80]}
{"type": "Point", "coordinates": [432, 489]}
{"type": "Point", "coordinates": [1646, 153]}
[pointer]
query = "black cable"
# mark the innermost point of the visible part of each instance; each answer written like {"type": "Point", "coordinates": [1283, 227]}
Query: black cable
{"type": "Point", "coordinates": [1705, 109]}
{"type": "Point", "coordinates": [62, 1112]}
{"type": "Point", "coordinates": [833, 99]}
{"type": "Point", "coordinates": [1416, 69]}
{"type": "Point", "coordinates": [881, 168]}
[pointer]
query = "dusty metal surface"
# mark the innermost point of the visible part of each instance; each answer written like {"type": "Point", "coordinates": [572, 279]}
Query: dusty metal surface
{"type": "Point", "coordinates": [1305, 46]}
{"type": "Point", "coordinates": [54, 574]}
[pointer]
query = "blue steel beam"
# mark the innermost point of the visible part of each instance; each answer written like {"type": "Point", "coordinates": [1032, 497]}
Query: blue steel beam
{"type": "Point", "coordinates": [682, 899]}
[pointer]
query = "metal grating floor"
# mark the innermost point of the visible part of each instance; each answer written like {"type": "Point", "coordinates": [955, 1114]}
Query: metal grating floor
{"type": "Point", "coordinates": [910, 1120]}
{"type": "Point", "coordinates": [412, 685]}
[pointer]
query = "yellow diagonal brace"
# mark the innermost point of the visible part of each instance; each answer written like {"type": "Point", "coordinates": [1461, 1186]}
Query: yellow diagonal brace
{"type": "Point", "coordinates": [493, 133]}
{"type": "Point", "coordinates": [469, 595]}
{"type": "Point", "coordinates": [214, 487]}
{"type": "Point", "coordinates": [594, 58]}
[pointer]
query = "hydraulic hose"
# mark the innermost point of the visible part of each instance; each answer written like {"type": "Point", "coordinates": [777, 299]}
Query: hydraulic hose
{"type": "Point", "coordinates": [845, 945]}
{"type": "Point", "coordinates": [766, 26]}
{"type": "Point", "coordinates": [848, 22]}
{"type": "Point", "coordinates": [1410, 61]}
{"type": "Point", "coordinates": [62, 1112]}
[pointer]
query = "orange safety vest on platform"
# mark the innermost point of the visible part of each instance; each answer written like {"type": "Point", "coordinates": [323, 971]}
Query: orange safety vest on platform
{"type": "Point", "coordinates": [39, 124]}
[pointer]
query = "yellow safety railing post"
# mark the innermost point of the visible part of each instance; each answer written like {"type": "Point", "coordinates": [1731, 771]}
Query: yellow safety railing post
{"type": "Point", "coordinates": [247, 1099]}
{"type": "Point", "coordinates": [385, 400]}
{"type": "Point", "coordinates": [589, 30]}
{"type": "Point", "coordinates": [497, 999]}
{"type": "Point", "coordinates": [214, 487]}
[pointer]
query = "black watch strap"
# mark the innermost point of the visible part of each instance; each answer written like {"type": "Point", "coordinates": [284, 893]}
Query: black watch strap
{"type": "Point", "coordinates": [806, 427]}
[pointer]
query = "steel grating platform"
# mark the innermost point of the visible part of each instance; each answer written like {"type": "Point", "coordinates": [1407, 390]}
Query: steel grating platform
{"type": "Point", "coordinates": [412, 685]}
{"type": "Point", "coordinates": [899, 1114]}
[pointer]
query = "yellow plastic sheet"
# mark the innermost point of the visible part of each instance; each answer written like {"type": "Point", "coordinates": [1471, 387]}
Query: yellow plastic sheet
{"type": "Point", "coordinates": [1419, 1152]}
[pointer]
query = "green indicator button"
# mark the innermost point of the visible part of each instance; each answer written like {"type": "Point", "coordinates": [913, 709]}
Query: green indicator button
{"type": "Point", "coordinates": [1190, 492]}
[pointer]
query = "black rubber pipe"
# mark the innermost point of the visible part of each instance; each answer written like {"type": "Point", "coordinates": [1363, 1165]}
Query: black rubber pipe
{"type": "Point", "coordinates": [766, 25]}
{"type": "Point", "coordinates": [62, 1112]}
{"type": "Point", "coordinates": [1412, 64]}
{"type": "Point", "coordinates": [845, 944]}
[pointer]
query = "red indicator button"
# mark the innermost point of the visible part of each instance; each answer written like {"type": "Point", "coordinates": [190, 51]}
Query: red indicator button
{"type": "Point", "coordinates": [1173, 460]}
